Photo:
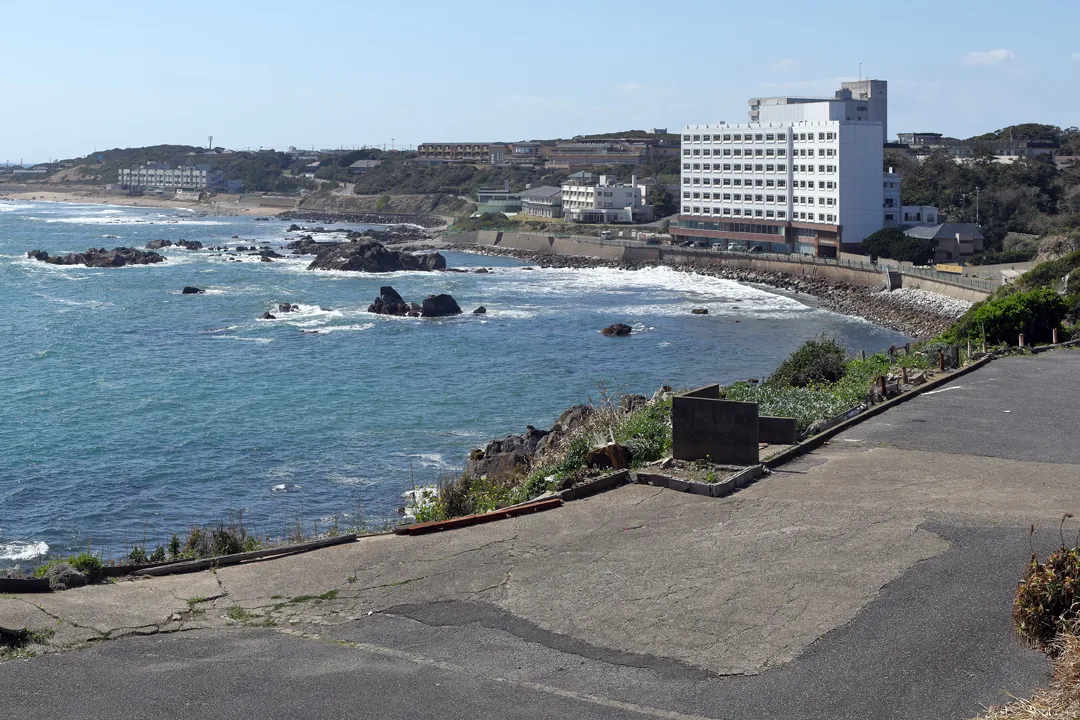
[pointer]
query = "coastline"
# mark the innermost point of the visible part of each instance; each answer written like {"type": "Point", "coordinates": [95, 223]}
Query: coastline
{"type": "Point", "coordinates": [917, 314]}
{"type": "Point", "coordinates": [97, 196]}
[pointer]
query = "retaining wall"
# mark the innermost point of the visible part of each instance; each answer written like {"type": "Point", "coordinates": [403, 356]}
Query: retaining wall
{"type": "Point", "coordinates": [623, 251]}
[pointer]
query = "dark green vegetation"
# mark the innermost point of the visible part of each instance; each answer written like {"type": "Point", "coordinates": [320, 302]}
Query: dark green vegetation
{"type": "Point", "coordinates": [816, 362]}
{"type": "Point", "coordinates": [1003, 257]}
{"type": "Point", "coordinates": [1028, 196]}
{"type": "Point", "coordinates": [87, 563]}
{"type": "Point", "coordinates": [893, 243]}
{"type": "Point", "coordinates": [1044, 298]}
{"type": "Point", "coordinates": [397, 175]}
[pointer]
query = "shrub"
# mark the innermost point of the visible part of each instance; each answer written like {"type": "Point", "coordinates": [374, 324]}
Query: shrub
{"type": "Point", "coordinates": [816, 361]}
{"type": "Point", "coordinates": [893, 243]}
{"type": "Point", "coordinates": [1044, 603]}
{"type": "Point", "coordinates": [646, 432]}
{"type": "Point", "coordinates": [1034, 313]}
{"type": "Point", "coordinates": [1003, 256]}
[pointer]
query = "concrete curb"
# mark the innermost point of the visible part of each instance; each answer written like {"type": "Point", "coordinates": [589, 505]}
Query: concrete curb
{"type": "Point", "coordinates": [722, 488]}
{"type": "Point", "coordinates": [24, 585]}
{"type": "Point", "coordinates": [468, 520]}
{"type": "Point", "coordinates": [591, 487]}
{"type": "Point", "coordinates": [818, 440]}
{"type": "Point", "coordinates": [1044, 348]}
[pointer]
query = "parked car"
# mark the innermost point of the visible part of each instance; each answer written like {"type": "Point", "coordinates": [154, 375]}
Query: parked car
{"type": "Point", "coordinates": [757, 249]}
{"type": "Point", "coordinates": [702, 243]}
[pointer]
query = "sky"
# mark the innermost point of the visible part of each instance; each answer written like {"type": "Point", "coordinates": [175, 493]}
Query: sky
{"type": "Point", "coordinates": [80, 76]}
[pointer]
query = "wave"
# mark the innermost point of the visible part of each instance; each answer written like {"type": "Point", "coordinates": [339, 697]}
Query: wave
{"type": "Point", "coordinates": [340, 328]}
{"type": "Point", "coordinates": [19, 550]}
{"type": "Point", "coordinates": [123, 220]}
{"type": "Point", "coordinates": [14, 207]}
{"type": "Point", "coordinates": [260, 340]}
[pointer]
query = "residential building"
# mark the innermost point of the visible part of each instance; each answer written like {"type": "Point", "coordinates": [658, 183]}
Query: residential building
{"type": "Point", "coordinates": [1003, 151]}
{"type": "Point", "coordinates": [159, 176]}
{"type": "Point", "coordinates": [572, 155]}
{"type": "Point", "coordinates": [362, 166]}
{"type": "Point", "coordinates": [475, 153]}
{"type": "Point", "coordinates": [857, 100]}
{"type": "Point", "coordinates": [919, 139]}
{"type": "Point", "coordinates": [891, 203]}
{"type": "Point", "coordinates": [919, 215]}
{"type": "Point", "coordinates": [953, 242]}
{"type": "Point", "coordinates": [809, 187]}
{"type": "Point", "coordinates": [605, 202]}
{"type": "Point", "coordinates": [489, 200]}
{"type": "Point", "coordinates": [543, 201]}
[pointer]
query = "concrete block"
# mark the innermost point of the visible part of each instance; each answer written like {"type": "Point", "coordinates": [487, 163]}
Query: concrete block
{"type": "Point", "coordinates": [677, 484]}
{"type": "Point", "coordinates": [777, 430]}
{"type": "Point", "coordinates": [747, 476]}
{"type": "Point", "coordinates": [722, 488]}
{"type": "Point", "coordinates": [652, 479]}
{"type": "Point", "coordinates": [708, 392]}
{"type": "Point", "coordinates": [724, 431]}
{"type": "Point", "coordinates": [700, 488]}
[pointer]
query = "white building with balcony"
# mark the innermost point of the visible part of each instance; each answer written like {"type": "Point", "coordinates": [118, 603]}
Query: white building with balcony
{"type": "Point", "coordinates": [605, 202]}
{"type": "Point", "coordinates": [808, 187]}
{"type": "Point", "coordinates": [159, 176]}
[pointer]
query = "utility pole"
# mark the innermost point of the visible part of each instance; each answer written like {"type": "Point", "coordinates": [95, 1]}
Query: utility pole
{"type": "Point", "coordinates": [976, 206]}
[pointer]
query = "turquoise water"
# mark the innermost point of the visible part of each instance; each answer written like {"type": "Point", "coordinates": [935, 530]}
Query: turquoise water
{"type": "Point", "coordinates": [130, 410]}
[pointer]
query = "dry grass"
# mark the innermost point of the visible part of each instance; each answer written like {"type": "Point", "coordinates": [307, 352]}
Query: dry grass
{"type": "Point", "coordinates": [1060, 701]}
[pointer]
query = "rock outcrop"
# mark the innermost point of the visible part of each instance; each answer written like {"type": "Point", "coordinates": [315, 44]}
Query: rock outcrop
{"type": "Point", "coordinates": [185, 244]}
{"type": "Point", "coordinates": [617, 330]}
{"type": "Point", "coordinates": [62, 576]}
{"type": "Point", "coordinates": [439, 306]}
{"type": "Point", "coordinates": [100, 257]}
{"type": "Point", "coordinates": [371, 256]}
{"type": "Point", "coordinates": [480, 311]}
{"type": "Point", "coordinates": [189, 290]}
{"type": "Point", "coordinates": [700, 311]}
{"type": "Point", "coordinates": [389, 302]}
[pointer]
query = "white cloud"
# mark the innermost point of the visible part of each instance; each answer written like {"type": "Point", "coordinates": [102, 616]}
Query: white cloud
{"type": "Point", "coordinates": [989, 57]}
{"type": "Point", "coordinates": [785, 65]}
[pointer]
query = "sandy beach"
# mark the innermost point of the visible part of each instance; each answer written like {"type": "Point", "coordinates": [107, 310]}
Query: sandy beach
{"type": "Point", "coordinates": [219, 205]}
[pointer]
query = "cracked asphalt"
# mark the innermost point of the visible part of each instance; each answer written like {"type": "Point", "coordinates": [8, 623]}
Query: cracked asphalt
{"type": "Point", "coordinates": [871, 578]}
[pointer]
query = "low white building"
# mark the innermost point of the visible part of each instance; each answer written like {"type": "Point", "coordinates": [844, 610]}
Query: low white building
{"type": "Point", "coordinates": [605, 202]}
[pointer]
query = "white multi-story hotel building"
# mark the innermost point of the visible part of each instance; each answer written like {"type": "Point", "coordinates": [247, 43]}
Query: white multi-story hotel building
{"type": "Point", "coordinates": [159, 176]}
{"type": "Point", "coordinates": [807, 186]}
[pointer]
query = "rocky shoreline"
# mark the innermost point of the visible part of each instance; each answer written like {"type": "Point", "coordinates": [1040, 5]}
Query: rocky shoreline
{"type": "Point", "coordinates": [363, 218]}
{"type": "Point", "coordinates": [915, 313]}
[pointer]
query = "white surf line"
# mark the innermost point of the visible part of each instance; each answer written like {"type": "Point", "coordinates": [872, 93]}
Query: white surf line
{"type": "Point", "coordinates": [418, 659]}
{"type": "Point", "coordinates": [951, 387]}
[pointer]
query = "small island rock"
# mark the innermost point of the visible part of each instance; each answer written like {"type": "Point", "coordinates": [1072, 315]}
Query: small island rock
{"type": "Point", "coordinates": [480, 311]}
{"type": "Point", "coordinates": [439, 306]}
{"type": "Point", "coordinates": [189, 290]}
{"type": "Point", "coordinates": [617, 330]}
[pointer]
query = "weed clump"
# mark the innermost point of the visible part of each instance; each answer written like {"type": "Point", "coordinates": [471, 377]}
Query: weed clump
{"type": "Point", "coordinates": [1045, 602]}
{"type": "Point", "coordinates": [816, 362]}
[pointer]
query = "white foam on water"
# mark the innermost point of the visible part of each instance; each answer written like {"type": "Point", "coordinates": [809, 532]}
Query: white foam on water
{"type": "Point", "coordinates": [19, 550]}
{"type": "Point", "coordinates": [341, 328]}
{"type": "Point", "coordinates": [262, 341]}
{"type": "Point", "coordinates": [285, 487]}
{"type": "Point", "coordinates": [123, 220]}
{"type": "Point", "coordinates": [14, 207]}
{"type": "Point", "coordinates": [95, 304]}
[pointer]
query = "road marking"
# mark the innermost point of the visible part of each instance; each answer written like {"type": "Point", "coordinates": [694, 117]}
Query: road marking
{"type": "Point", "coordinates": [418, 659]}
{"type": "Point", "coordinates": [951, 387]}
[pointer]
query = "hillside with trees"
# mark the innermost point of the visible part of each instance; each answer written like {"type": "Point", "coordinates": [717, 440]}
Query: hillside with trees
{"type": "Point", "coordinates": [1027, 196]}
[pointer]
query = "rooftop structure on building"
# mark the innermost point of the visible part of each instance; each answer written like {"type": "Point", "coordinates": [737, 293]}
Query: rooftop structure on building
{"type": "Point", "coordinates": [855, 100]}
{"type": "Point", "coordinates": [953, 242]}
{"type": "Point", "coordinates": [362, 166]}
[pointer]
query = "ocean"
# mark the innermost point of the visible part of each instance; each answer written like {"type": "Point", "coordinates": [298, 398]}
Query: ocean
{"type": "Point", "coordinates": [130, 411]}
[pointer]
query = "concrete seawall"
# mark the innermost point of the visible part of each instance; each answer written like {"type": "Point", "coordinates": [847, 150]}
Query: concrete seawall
{"type": "Point", "coordinates": [798, 265]}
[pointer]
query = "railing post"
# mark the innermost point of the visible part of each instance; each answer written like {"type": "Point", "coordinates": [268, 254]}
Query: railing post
{"type": "Point", "coordinates": [1021, 339]}
{"type": "Point", "coordinates": [1055, 336]}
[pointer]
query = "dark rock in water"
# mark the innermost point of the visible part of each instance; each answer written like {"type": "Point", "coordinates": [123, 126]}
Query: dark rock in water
{"type": "Point", "coordinates": [262, 219]}
{"type": "Point", "coordinates": [439, 306]}
{"type": "Point", "coordinates": [287, 307]}
{"type": "Point", "coordinates": [62, 576]}
{"type": "Point", "coordinates": [190, 244]}
{"type": "Point", "coordinates": [617, 330]}
{"type": "Point", "coordinates": [457, 270]}
{"type": "Point", "coordinates": [100, 257]}
{"type": "Point", "coordinates": [267, 316]}
{"type": "Point", "coordinates": [481, 271]}
{"type": "Point", "coordinates": [480, 311]}
{"type": "Point", "coordinates": [294, 228]}
{"type": "Point", "coordinates": [700, 311]}
{"type": "Point", "coordinates": [612, 456]}
{"type": "Point", "coordinates": [242, 248]}
{"type": "Point", "coordinates": [268, 253]}
{"type": "Point", "coordinates": [158, 244]}
{"type": "Point", "coordinates": [189, 290]}
{"type": "Point", "coordinates": [370, 256]}
{"type": "Point", "coordinates": [528, 268]}
{"type": "Point", "coordinates": [266, 258]}
{"type": "Point", "coordinates": [389, 303]}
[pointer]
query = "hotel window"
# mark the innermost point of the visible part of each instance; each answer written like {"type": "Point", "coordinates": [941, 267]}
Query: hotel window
{"type": "Point", "coordinates": [697, 166]}
{"type": "Point", "coordinates": [802, 136]}
{"type": "Point", "coordinates": [706, 167]}
{"type": "Point", "coordinates": [770, 198]}
{"type": "Point", "coordinates": [727, 181]}
{"type": "Point", "coordinates": [770, 152]}
{"type": "Point", "coordinates": [810, 201]}
{"type": "Point", "coordinates": [738, 211]}
{"type": "Point", "coordinates": [759, 152]}
{"type": "Point", "coordinates": [738, 181]}
{"type": "Point", "coordinates": [821, 216]}
{"type": "Point", "coordinates": [770, 183]}
{"type": "Point", "coordinates": [738, 196]}
{"type": "Point", "coordinates": [727, 168]}
{"type": "Point", "coordinates": [821, 136]}
{"type": "Point", "coordinates": [727, 196]}
{"type": "Point", "coordinates": [781, 152]}
{"type": "Point", "coordinates": [686, 209]}
{"type": "Point", "coordinates": [727, 211]}
{"type": "Point", "coordinates": [706, 152]}
{"type": "Point", "coordinates": [781, 136]}
{"type": "Point", "coordinates": [697, 138]}
{"type": "Point", "coordinates": [781, 213]}
{"type": "Point", "coordinates": [686, 196]}
{"type": "Point", "coordinates": [686, 152]}
{"type": "Point", "coordinates": [770, 168]}
{"type": "Point", "coordinates": [705, 181]}
{"type": "Point", "coordinates": [738, 138]}
{"type": "Point", "coordinates": [697, 181]}
{"type": "Point", "coordinates": [705, 196]}
{"type": "Point", "coordinates": [832, 168]}
{"type": "Point", "coordinates": [769, 213]}
{"type": "Point", "coordinates": [697, 196]}
{"type": "Point", "coordinates": [697, 210]}
{"type": "Point", "coordinates": [821, 168]}
{"type": "Point", "coordinates": [781, 183]}
{"type": "Point", "coordinates": [770, 138]}
{"type": "Point", "coordinates": [727, 138]}
{"type": "Point", "coordinates": [697, 152]}
{"type": "Point", "coordinates": [759, 198]}
{"type": "Point", "coordinates": [706, 138]}
{"type": "Point", "coordinates": [821, 184]}
{"type": "Point", "coordinates": [759, 168]}
{"type": "Point", "coordinates": [727, 153]}
{"type": "Point", "coordinates": [831, 185]}
{"type": "Point", "coordinates": [738, 152]}
{"type": "Point", "coordinates": [758, 137]}
{"type": "Point", "coordinates": [686, 166]}
{"type": "Point", "coordinates": [832, 136]}
{"type": "Point", "coordinates": [830, 152]}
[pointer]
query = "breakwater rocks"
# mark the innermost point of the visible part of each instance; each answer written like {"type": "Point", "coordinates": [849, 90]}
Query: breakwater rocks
{"type": "Point", "coordinates": [100, 257]}
{"type": "Point", "coordinates": [915, 313]}
{"type": "Point", "coordinates": [390, 302]}
{"type": "Point", "coordinates": [184, 244]}
{"type": "Point", "coordinates": [364, 218]}
{"type": "Point", "coordinates": [371, 256]}
{"type": "Point", "coordinates": [395, 234]}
